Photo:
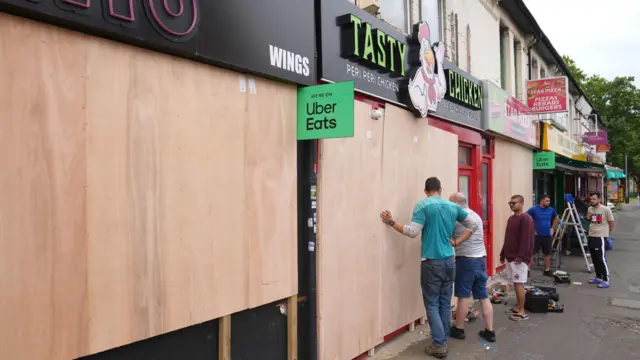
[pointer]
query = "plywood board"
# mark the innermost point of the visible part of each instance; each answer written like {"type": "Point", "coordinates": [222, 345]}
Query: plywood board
{"type": "Point", "coordinates": [43, 253]}
{"type": "Point", "coordinates": [350, 237]}
{"type": "Point", "coordinates": [512, 175]}
{"type": "Point", "coordinates": [443, 159]}
{"type": "Point", "coordinates": [369, 275]}
{"type": "Point", "coordinates": [138, 193]}
{"type": "Point", "coordinates": [405, 168]}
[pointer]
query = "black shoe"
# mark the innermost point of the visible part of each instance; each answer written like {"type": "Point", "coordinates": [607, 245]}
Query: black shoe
{"type": "Point", "coordinates": [490, 336]}
{"type": "Point", "coordinates": [457, 333]}
{"type": "Point", "coordinates": [547, 273]}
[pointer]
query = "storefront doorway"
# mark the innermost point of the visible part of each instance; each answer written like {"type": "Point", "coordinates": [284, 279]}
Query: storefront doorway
{"type": "Point", "coordinates": [486, 200]}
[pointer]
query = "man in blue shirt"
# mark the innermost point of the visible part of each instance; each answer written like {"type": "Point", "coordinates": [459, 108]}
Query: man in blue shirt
{"type": "Point", "coordinates": [436, 218]}
{"type": "Point", "coordinates": [546, 221]}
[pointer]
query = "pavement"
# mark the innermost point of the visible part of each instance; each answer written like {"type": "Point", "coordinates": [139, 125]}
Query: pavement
{"type": "Point", "coordinates": [596, 323]}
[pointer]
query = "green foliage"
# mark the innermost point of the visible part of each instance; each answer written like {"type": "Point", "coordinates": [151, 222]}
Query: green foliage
{"type": "Point", "coordinates": [618, 102]}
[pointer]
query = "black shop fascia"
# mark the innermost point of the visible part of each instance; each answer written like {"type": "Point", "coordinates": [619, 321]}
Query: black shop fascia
{"type": "Point", "coordinates": [354, 45]}
{"type": "Point", "coordinates": [274, 38]}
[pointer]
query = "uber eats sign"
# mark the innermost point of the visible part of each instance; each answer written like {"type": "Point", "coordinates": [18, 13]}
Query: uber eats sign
{"type": "Point", "coordinates": [325, 111]}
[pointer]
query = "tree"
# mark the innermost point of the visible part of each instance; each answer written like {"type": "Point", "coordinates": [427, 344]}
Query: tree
{"type": "Point", "coordinates": [618, 103]}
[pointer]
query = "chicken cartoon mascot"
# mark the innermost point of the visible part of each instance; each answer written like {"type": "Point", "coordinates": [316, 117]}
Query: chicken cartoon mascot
{"type": "Point", "coordinates": [427, 88]}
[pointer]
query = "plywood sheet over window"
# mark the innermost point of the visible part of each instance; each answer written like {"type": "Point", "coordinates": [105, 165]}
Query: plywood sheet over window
{"type": "Point", "coordinates": [368, 275]}
{"type": "Point", "coordinates": [350, 237]}
{"type": "Point", "coordinates": [138, 193]}
{"type": "Point", "coordinates": [413, 151]}
{"type": "Point", "coordinates": [512, 175]}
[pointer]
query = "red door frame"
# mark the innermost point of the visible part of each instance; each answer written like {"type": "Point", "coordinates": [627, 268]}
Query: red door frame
{"type": "Point", "coordinates": [464, 170]}
{"type": "Point", "coordinates": [487, 158]}
{"type": "Point", "coordinates": [471, 138]}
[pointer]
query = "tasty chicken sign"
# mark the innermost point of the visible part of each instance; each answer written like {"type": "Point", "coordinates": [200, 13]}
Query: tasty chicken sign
{"type": "Point", "coordinates": [548, 95]}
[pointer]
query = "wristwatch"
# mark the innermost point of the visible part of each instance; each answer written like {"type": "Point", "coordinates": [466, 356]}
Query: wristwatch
{"type": "Point", "coordinates": [391, 223]}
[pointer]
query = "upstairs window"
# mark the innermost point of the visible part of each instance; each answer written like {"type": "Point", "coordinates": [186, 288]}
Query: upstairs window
{"type": "Point", "coordinates": [396, 13]}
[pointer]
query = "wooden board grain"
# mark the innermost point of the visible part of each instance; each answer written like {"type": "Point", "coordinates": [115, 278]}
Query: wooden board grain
{"type": "Point", "coordinates": [405, 168]}
{"type": "Point", "coordinates": [43, 253]}
{"type": "Point", "coordinates": [443, 159]}
{"type": "Point", "coordinates": [138, 193]}
{"type": "Point", "coordinates": [512, 175]}
{"type": "Point", "coordinates": [369, 275]}
{"type": "Point", "coordinates": [350, 240]}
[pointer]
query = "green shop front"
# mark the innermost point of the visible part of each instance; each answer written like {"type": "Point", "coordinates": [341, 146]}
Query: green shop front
{"type": "Point", "coordinates": [615, 187]}
{"type": "Point", "coordinates": [557, 172]}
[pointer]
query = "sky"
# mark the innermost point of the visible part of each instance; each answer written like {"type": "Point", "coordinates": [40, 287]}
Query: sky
{"type": "Point", "coordinates": [601, 36]}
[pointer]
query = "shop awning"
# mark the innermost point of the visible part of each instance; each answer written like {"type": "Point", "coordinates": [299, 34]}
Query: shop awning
{"type": "Point", "coordinates": [564, 163]}
{"type": "Point", "coordinates": [615, 174]}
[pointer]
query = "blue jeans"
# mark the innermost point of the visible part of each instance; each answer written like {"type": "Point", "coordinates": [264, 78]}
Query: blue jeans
{"type": "Point", "coordinates": [436, 279]}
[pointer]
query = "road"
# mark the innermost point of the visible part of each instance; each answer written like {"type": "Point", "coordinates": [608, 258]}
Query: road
{"type": "Point", "coordinates": [596, 324]}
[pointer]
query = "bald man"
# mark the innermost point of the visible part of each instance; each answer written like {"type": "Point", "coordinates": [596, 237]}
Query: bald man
{"type": "Point", "coordinates": [471, 272]}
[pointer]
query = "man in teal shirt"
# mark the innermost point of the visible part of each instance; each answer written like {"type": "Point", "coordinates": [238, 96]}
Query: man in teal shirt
{"type": "Point", "coordinates": [436, 218]}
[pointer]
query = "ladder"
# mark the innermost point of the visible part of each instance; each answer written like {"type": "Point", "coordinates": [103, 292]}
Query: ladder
{"type": "Point", "coordinates": [570, 218]}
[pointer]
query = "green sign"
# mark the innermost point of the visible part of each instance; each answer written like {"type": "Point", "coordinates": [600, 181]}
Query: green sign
{"type": "Point", "coordinates": [325, 111]}
{"type": "Point", "coordinates": [365, 42]}
{"type": "Point", "coordinates": [544, 160]}
{"type": "Point", "coordinates": [464, 91]}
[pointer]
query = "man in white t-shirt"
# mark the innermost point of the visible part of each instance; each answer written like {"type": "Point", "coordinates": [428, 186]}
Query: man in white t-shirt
{"type": "Point", "coordinates": [601, 225]}
{"type": "Point", "coordinates": [471, 272]}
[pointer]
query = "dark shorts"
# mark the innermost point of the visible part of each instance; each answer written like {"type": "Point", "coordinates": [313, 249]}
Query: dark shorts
{"type": "Point", "coordinates": [543, 243]}
{"type": "Point", "coordinates": [471, 278]}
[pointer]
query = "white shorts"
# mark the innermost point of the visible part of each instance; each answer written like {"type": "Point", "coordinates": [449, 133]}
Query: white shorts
{"type": "Point", "coordinates": [517, 273]}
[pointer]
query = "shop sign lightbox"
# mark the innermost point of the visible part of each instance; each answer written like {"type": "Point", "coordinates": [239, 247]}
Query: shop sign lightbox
{"type": "Point", "coordinates": [505, 115]}
{"type": "Point", "coordinates": [275, 38]}
{"type": "Point", "coordinates": [548, 95]}
{"type": "Point", "coordinates": [385, 63]}
{"type": "Point", "coordinates": [559, 142]}
{"type": "Point", "coordinates": [326, 111]}
{"type": "Point", "coordinates": [544, 160]}
{"type": "Point", "coordinates": [593, 138]}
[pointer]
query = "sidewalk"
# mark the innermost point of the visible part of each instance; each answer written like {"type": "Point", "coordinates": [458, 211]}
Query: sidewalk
{"type": "Point", "coordinates": [597, 323]}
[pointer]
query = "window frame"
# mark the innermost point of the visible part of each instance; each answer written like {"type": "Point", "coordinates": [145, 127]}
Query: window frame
{"type": "Point", "coordinates": [408, 18]}
{"type": "Point", "coordinates": [441, 15]}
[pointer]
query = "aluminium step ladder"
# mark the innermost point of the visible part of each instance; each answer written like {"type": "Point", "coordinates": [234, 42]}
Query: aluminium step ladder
{"type": "Point", "coordinates": [571, 218]}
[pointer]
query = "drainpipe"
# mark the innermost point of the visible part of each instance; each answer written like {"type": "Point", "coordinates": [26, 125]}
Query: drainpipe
{"type": "Point", "coordinates": [530, 55]}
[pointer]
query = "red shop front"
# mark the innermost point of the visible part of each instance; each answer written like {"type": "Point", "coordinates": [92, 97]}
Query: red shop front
{"type": "Point", "coordinates": [475, 154]}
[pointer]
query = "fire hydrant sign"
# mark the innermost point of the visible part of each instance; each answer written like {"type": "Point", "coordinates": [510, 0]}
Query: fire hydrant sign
{"type": "Point", "coordinates": [326, 111]}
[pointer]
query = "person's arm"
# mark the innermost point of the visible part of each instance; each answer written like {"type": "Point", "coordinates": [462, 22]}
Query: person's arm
{"type": "Point", "coordinates": [554, 225]}
{"type": "Point", "coordinates": [466, 234]}
{"type": "Point", "coordinates": [465, 220]}
{"type": "Point", "coordinates": [610, 219]}
{"type": "Point", "coordinates": [527, 231]}
{"type": "Point", "coordinates": [411, 230]}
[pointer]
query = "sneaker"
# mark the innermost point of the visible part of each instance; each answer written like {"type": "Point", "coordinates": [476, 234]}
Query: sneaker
{"type": "Point", "coordinates": [595, 280]}
{"type": "Point", "coordinates": [439, 352]}
{"type": "Point", "coordinates": [547, 273]}
{"type": "Point", "coordinates": [457, 333]}
{"type": "Point", "coordinates": [603, 285]}
{"type": "Point", "coordinates": [488, 335]}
